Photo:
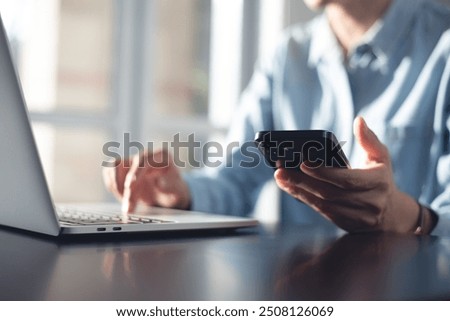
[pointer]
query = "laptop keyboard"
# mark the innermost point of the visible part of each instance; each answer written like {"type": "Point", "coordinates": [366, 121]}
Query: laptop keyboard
{"type": "Point", "coordinates": [79, 217]}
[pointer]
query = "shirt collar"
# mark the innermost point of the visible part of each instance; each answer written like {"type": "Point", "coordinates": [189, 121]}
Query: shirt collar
{"type": "Point", "coordinates": [323, 42]}
{"type": "Point", "coordinates": [382, 37]}
{"type": "Point", "coordinates": [392, 28]}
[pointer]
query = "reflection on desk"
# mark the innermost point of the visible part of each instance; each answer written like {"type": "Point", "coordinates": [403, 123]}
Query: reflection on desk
{"type": "Point", "coordinates": [368, 267]}
{"type": "Point", "coordinates": [284, 264]}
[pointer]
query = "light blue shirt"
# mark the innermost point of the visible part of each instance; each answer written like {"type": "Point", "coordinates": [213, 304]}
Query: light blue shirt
{"type": "Point", "coordinates": [397, 78]}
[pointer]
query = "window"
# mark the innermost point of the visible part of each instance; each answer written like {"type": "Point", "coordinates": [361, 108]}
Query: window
{"type": "Point", "coordinates": [64, 54]}
{"type": "Point", "coordinates": [90, 68]}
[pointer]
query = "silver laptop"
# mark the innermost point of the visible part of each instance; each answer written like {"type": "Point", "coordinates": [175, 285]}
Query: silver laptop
{"type": "Point", "coordinates": [25, 201]}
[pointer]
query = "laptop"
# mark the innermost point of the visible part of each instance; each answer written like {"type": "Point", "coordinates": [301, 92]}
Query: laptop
{"type": "Point", "coordinates": [25, 200]}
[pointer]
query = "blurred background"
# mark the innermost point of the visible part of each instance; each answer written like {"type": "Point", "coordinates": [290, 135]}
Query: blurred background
{"type": "Point", "coordinates": [93, 70]}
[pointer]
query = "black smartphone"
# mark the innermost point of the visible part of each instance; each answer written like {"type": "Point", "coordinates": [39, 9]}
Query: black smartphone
{"type": "Point", "coordinates": [292, 147]}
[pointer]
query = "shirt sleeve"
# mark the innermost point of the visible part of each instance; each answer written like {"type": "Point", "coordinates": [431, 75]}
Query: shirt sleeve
{"type": "Point", "coordinates": [233, 187]}
{"type": "Point", "coordinates": [441, 202]}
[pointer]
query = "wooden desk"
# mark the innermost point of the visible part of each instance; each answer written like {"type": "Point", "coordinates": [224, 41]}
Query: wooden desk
{"type": "Point", "coordinates": [258, 264]}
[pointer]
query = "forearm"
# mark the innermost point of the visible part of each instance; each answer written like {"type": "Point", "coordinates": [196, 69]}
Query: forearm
{"type": "Point", "coordinates": [227, 191]}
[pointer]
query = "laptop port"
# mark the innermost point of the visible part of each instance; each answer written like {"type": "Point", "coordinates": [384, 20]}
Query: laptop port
{"type": "Point", "coordinates": [101, 229]}
{"type": "Point", "coordinates": [117, 228]}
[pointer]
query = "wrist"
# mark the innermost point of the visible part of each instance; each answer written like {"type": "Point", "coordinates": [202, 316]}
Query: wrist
{"type": "Point", "coordinates": [185, 199]}
{"type": "Point", "coordinates": [410, 216]}
{"type": "Point", "coordinates": [405, 212]}
{"type": "Point", "coordinates": [427, 221]}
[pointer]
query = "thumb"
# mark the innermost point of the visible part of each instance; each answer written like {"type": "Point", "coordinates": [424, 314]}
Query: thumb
{"type": "Point", "coordinates": [369, 142]}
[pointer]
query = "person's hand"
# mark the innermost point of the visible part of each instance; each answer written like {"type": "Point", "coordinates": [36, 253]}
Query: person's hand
{"type": "Point", "coordinates": [356, 200]}
{"type": "Point", "coordinates": [151, 178]}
